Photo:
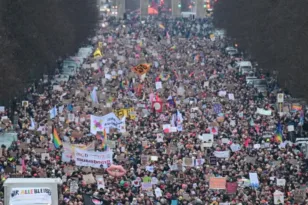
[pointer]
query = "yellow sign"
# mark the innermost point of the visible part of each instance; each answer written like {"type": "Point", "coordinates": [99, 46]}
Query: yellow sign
{"type": "Point", "coordinates": [141, 69]}
{"type": "Point", "coordinates": [212, 37]}
{"type": "Point", "coordinates": [100, 45]}
{"type": "Point", "coordinates": [97, 53]}
{"type": "Point", "coordinates": [127, 112]}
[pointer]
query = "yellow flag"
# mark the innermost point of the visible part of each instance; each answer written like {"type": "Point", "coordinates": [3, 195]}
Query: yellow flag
{"type": "Point", "coordinates": [97, 53]}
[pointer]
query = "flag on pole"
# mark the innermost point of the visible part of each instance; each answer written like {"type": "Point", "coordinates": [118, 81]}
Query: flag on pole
{"type": "Point", "coordinates": [302, 118]}
{"type": "Point", "coordinates": [279, 134]}
{"type": "Point", "coordinates": [56, 139]}
{"type": "Point", "coordinates": [94, 96]}
{"type": "Point", "coordinates": [104, 140]}
{"type": "Point", "coordinates": [23, 165]}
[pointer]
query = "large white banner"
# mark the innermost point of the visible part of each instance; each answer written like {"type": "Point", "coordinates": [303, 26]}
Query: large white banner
{"type": "Point", "coordinates": [93, 159]}
{"type": "Point", "coordinates": [69, 150]}
{"type": "Point", "coordinates": [30, 196]}
{"type": "Point", "coordinates": [99, 123]}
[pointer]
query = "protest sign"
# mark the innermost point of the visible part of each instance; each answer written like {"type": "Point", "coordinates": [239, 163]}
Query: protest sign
{"type": "Point", "coordinates": [254, 181]}
{"type": "Point", "coordinates": [281, 182]}
{"type": "Point", "coordinates": [69, 150]}
{"type": "Point", "coordinates": [206, 137]}
{"type": "Point", "coordinates": [88, 178]}
{"type": "Point", "coordinates": [262, 111]}
{"type": "Point", "coordinates": [218, 183]}
{"type": "Point", "coordinates": [278, 197]}
{"type": "Point", "coordinates": [299, 195]}
{"type": "Point", "coordinates": [37, 195]}
{"type": "Point", "coordinates": [100, 182]}
{"type": "Point", "coordinates": [141, 69]}
{"type": "Point", "coordinates": [188, 162]}
{"type": "Point", "coordinates": [125, 112]}
{"type": "Point", "coordinates": [92, 159]}
{"type": "Point", "coordinates": [222, 154]}
{"type": "Point", "coordinates": [231, 187]}
{"type": "Point", "coordinates": [99, 123]}
{"type": "Point", "coordinates": [74, 186]}
{"type": "Point", "coordinates": [146, 186]}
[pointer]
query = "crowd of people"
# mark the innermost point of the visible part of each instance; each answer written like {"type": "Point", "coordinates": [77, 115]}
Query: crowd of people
{"type": "Point", "coordinates": [195, 132]}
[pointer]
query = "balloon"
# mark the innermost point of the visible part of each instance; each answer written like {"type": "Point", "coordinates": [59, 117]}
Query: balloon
{"type": "Point", "coordinates": [116, 171]}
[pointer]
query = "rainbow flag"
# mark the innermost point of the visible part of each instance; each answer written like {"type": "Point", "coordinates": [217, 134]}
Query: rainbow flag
{"type": "Point", "coordinates": [278, 134]}
{"type": "Point", "coordinates": [56, 139]}
{"type": "Point", "coordinates": [103, 137]}
{"type": "Point", "coordinates": [104, 140]}
{"type": "Point", "coordinates": [296, 108]}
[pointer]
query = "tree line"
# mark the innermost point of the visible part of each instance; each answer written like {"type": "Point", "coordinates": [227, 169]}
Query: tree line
{"type": "Point", "coordinates": [34, 34]}
{"type": "Point", "coordinates": [274, 33]}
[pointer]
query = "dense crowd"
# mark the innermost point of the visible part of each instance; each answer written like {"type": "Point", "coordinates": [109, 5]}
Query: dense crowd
{"type": "Point", "coordinates": [197, 133]}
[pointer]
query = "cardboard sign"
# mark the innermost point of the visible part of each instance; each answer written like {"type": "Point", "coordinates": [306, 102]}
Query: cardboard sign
{"type": "Point", "coordinates": [141, 69]}
{"type": "Point", "coordinates": [188, 162]}
{"type": "Point", "coordinates": [218, 183]}
{"type": "Point", "coordinates": [299, 195]}
{"type": "Point", "coordinates": [144, 159]}
{"type": "Point", "coordinates": [77, 135]}
{"type": "Point", "coordinates": [69, 170]}
{"type": "Point", "coordinates": [88, 178]}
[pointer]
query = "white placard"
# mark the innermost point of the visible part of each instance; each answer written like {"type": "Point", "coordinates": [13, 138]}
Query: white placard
{"type": "Point", "coordinates": [92, 159]}
{"type": "Point", "coordinates": [100, 182]}
{"type": "Point", "coordinates": [254, 181]}
{"type": "Point", "coordinates": [222, 93]}
{"type": "Point", "coordinates": [231, 96]}
{"type": "Point", "coordinates": [264, 112]}
{"type": "Point", "coordinates": [281, 182]}
{"type": "Point", "coordinates": [235, 147]}
{"type": "Point", "coordinates": [280, 97]}
{"type": "Point", "coordinates": [290, 128]}
{"type": "Point", "coordinates": [158, 85]}
{"type": "Point", "coordinates": [278, 197]}
{"type": "Point", "coordinates": [206, 137]}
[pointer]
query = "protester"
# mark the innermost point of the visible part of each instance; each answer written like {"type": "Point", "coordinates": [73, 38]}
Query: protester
{"type": "Point", "coordinates": [193, 132]}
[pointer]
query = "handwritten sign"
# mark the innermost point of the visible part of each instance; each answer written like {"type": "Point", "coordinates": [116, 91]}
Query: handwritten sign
{"type": "Point", "coordinates": [218, 183]}
{"type": "Point", "coordinates": [127, 112]}
{"type": "Point", "coordinates": [141, 69]}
